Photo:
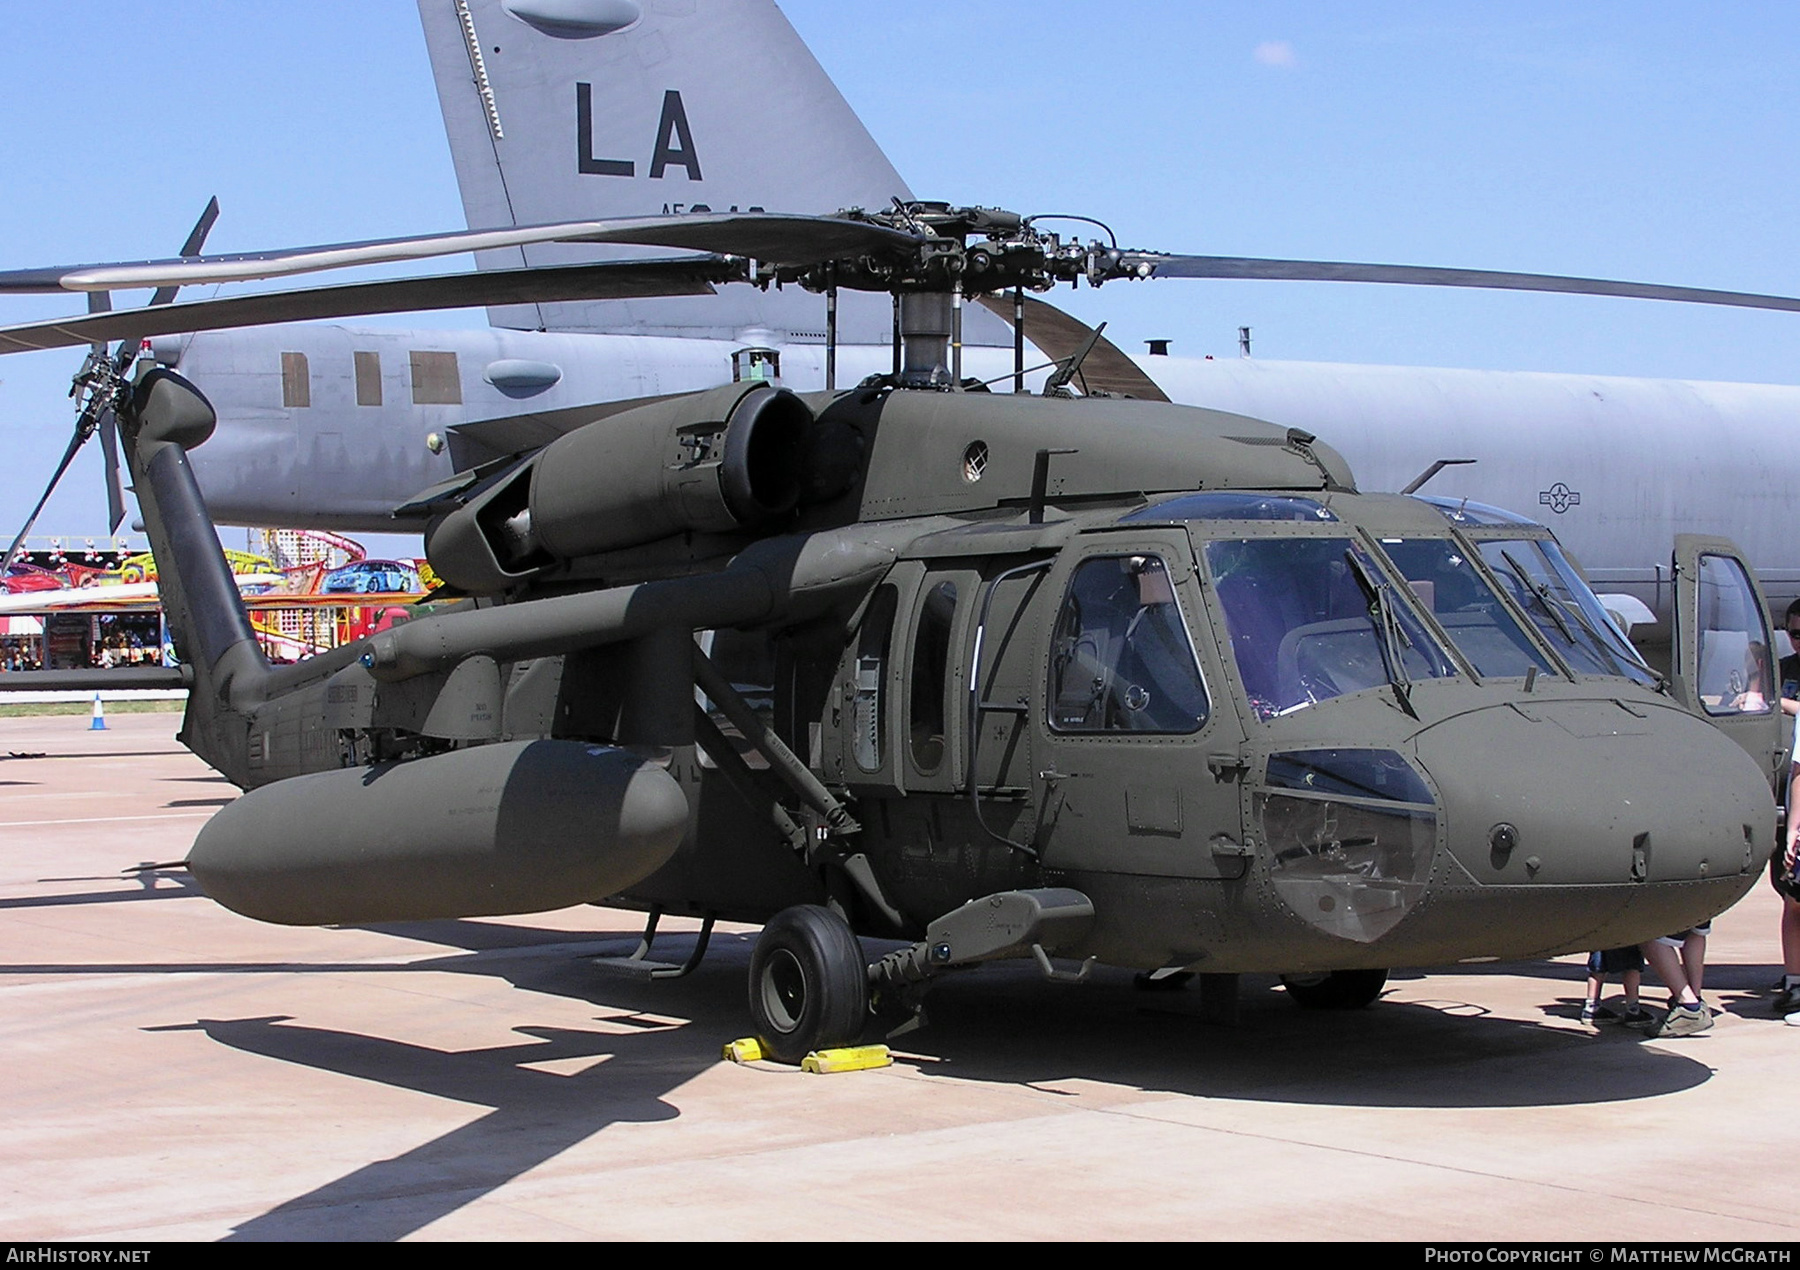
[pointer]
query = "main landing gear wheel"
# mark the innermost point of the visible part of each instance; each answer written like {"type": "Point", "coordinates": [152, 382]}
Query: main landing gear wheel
{"type": "Point", "coordinates": [809, 984]}
{"type": "Point", "coordinates": [1339, 990]}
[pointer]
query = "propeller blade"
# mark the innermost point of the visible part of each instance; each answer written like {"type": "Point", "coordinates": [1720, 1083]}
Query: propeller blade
{"type": "Point", "coordinates": [1060, 336]}
{"type": "Point", "coordinates": [1430, 276]}
{"type": "Point", "coordinates": [109, 449]}
{"type": "Point", "coordinates": [610, 280]}
{"type": "Point", "coordinates": [777, 239]}
{"type": "Point", "coordinates": [12, 552]}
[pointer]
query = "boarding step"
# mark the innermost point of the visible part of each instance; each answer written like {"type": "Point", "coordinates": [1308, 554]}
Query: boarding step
{"type": "Point", "coordinates": [639, 963]}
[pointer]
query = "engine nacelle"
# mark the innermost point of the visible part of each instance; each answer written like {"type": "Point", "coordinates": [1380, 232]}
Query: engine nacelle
{"type": "Point", "coordinates": [714, 462]}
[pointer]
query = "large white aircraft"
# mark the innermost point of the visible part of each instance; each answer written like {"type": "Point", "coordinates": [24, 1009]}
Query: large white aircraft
{"type": "Point", "coordinates": [558, 109]}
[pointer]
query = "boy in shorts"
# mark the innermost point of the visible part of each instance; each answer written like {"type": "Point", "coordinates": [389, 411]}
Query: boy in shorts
{"type": "Point", "coordinates": [1680, 961]}
{"type": "Point", "coordinates": [1628, 962]}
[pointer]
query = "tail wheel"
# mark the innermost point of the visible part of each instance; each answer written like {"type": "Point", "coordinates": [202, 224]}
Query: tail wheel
{"type": "Point", "coordinates": [809, 986]}
{"type": "Point", "coordinates": [1339, 990]}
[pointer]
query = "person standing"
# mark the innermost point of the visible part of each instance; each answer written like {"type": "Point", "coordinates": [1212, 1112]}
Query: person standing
{"type": "Point", "coordinates": [1782, 869]}
{"type": "Point", "coordinates": [1789, 675]}
{"type": "Point", "coordinates": [1628, 963]}
{"type": "Point", "coordinates": [1680, 961]}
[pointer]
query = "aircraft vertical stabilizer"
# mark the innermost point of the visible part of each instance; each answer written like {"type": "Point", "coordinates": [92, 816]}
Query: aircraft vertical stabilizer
{"type": "Point", "coordinates": [576, 109]}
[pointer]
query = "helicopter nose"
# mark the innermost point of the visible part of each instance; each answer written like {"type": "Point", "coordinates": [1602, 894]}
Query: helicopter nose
{"type": "Point", "coordinates": [1641, 818]}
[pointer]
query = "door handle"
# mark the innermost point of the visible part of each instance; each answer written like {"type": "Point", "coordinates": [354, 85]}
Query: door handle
{"type": "Point", "coordinates": [1225, 766]}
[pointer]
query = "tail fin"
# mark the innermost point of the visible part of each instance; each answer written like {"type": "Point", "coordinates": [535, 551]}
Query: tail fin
{"type": "Point", "coordinates": [571, 109]}
{"type": "Point", "coordinates": [165, 418]}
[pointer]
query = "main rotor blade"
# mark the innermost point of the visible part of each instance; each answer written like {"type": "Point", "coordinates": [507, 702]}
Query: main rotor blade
{"type": "Point", "coordinates": [1059, 336]}
{"type": "Point", "coordinates": [609, 280]}
{"type": "Point", "coordinates": [777, 239]}
{"type": "Point", "coordinates": [1430, 276]}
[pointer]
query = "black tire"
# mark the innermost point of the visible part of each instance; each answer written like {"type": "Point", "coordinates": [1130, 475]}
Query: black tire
{"type": "Point", "coordinates": [809, 985]}
{"type": "Point", "coordinates": [1339, 990]}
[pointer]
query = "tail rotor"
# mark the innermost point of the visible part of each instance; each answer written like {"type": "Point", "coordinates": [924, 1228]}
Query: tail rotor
{"type": "Point", "coordinates": [98, 388]}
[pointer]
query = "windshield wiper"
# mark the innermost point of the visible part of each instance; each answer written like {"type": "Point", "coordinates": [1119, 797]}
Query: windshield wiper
{"type": "Point", "coordinates": [1387, 626]}
{"type": "Point", "coordinates": [1551, 609]}
{"type": "Point", "coordinates": [1611, 648]}
{"type": "Point", "coordinates": [1556, 606]}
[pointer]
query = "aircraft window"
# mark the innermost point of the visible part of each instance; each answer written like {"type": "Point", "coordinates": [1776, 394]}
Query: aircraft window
{"type": "Point", "coordinates": [1566, 612]}
{"type": "Point", "coordinates": [1229, 505]}
{"type": "Point", "coordinates": [1303, 625]}
{"type": "Point", "coordinates": [1121, 660]}
{"type": "Point", "coordinates": [1734, 642]}
{"type": "Point", "coordinates": [1351, 869]}
{"type": "Point", "coordinates": [1468, 609]}
{"type": "Point", "coordinates": [930, 676]}
{"type": "Point", "coordinates": [435, 379]}
{"type": "Point", "coordinates": [1460, 511]}
{"type": "Point", "coordinates": [296, 383]}
{"type": "Point", "coordinates": [1357, 773]}
{"type": "Point", "coordinates": [867, 715]}
{"type": "Point", "coordinates": [368, 378]}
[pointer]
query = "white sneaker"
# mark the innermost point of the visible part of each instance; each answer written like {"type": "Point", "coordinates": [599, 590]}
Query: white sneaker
{"type": "Point", "coordinates": [1792, 1020]}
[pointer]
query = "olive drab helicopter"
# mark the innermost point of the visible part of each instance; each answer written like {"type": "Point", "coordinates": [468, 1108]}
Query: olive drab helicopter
{"type": "Point", "coordinates": [1067, 678]}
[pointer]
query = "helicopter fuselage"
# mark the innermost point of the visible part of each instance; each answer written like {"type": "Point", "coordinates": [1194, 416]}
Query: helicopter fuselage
{"type": "Point", "coordinates": [901, 651]}
{"type": "Point", "coordinates": [1008, 715]}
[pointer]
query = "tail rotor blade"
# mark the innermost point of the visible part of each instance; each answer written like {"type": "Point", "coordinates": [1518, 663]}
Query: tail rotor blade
{"type": "Point", "coordinates": [109, 447]}
{"type": "Point", "coordinates": [18, 543]}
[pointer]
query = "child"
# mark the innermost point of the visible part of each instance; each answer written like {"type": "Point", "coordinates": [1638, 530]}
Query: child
{"type": "Point", "coordinates": [1626, 961]}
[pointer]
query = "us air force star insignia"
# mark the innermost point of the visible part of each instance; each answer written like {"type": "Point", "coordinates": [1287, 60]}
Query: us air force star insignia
{"type": "Point", "coordinates": [1559, 498]}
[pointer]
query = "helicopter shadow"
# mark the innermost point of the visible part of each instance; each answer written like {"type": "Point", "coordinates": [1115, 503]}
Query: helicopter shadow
{"type": "Point", "coordinates": [1002, 1024]}
{"type": "Point", "coordinates": [1005, 1025]}
{"type": "Point", "coordinates": [619, 1071]}
{"type": "Point", "coordinates": [148, 885]}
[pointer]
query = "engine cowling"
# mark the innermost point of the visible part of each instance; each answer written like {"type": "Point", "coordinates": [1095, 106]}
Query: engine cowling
{"type": "Point", "coordinates": [718, 461]}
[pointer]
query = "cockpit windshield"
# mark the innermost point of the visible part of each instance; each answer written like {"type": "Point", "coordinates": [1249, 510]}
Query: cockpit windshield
{"type": "Point", "coordinates": [1477, 621]}
{"type": "Point", "coordinates": [1564, 609]}
{"type": "Point", "coordinates": [1315, 618]}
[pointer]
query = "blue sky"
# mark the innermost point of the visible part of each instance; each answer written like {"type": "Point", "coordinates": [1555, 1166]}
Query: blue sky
{"type": "Point", "coordinates": [1652, 142]}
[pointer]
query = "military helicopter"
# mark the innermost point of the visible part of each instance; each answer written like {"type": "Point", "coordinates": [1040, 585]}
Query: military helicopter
{"type": "Point", "coordinates": [1070, 679]}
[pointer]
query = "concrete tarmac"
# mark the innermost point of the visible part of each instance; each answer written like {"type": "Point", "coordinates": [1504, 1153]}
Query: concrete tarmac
{"type": "Point", "coordinates": [175, 1072]}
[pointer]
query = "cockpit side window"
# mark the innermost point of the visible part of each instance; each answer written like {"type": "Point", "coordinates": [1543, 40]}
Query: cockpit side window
{"type": "Point", "coordinates": [1121, 659]}
{"type": "Point", "coordinates": [1315, 618]}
